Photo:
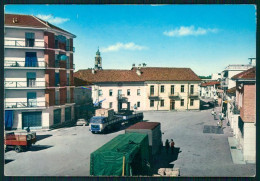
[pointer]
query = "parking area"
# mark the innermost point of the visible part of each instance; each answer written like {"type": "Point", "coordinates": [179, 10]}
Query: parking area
{"type": "Point", "coordinates": [66, 151]}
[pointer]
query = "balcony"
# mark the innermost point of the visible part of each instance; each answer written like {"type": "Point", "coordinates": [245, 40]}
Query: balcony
{"type": "Point", "coordinates": [24, 84]}
{"type": "Point", "coordinates": [21, 64]}
{"type": "Point", "coordinates": [70, 48]}
{"type": "Point", "coordinates": [174, 95]}
{"type": "Point", "coordinates": [69, 67]}
{"type": "Point", "coordinates": [194, 94]}
{"type": "Point", "coordinates": [122, 98]}
{"type": "Point", "coordinates": [59, 102]}
{"type": "Point", "coordinates": [25, 44]}
{"type": "Point", "coordinates": [70, 101]}
{"type": "Point", "coordinates": [153, 96]}
{"type": "Point", "coordinates": [28, 104]}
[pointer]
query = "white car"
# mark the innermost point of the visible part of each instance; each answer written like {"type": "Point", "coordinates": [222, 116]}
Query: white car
{"type": "Point", "coordinates": [81, 122]}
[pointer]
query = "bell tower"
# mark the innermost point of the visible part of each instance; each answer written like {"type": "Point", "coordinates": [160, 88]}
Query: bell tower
{"type": "Point", "coordinates": [98, 61]}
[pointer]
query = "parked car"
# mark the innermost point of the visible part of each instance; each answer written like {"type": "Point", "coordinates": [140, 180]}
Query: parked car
{"type": "Point", "coordinates": [82, 122]}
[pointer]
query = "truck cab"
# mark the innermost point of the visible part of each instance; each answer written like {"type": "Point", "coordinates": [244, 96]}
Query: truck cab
{"type": "Point", "coordinates": [96, 124]}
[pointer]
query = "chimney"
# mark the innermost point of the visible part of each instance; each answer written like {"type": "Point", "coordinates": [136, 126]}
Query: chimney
{"type": "Point", "coordinates": [93, 71]}
{"type": "Point", "coordinates": [15, 20]}
{"type": "Point", "coordinates": [138, 71]}
{"type": "Point", "coordinates": [133, 65]}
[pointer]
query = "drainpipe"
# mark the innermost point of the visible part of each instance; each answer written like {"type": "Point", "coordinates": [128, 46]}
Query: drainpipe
{"type": "Point", "coordinates": [158, 96]}
{"type": "Point", "coordinates": [188, 95]}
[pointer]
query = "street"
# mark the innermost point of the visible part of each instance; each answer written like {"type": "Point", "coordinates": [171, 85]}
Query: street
{"type": "Point", "coordinates": [66, 151]}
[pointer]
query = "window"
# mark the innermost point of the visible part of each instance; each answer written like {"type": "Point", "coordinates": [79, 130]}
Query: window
{"type": "Point", "coordinates": [138, 92]}
{"type": "Point", "coordinates": [182, 88]}
{"type": "Point", "coordinates": [31, 59]}
{"type": "Point", "coordinates": [128, 92]}
{"type": "Point", "coordinates": [68, 79]}
{"type": "Point", "coordinates": [192, 89]}
{"type": "Point", "coordinates": [151, 90]}
{"type": "Point", "coordinates": [191, 102]}
{"type": "Point", "coordinates": [57, 97]}
{"type": "Point", "coordinates": [56, 42]}
{"type": "Point", "coordinates": [151, 103]}
{"type": "Point", "coordinates": [162, 88]}
{"type": "Point", "coordinates": [110, 92]}
{"type": "Point", "coordinates": [138, 104]}
{"type": "Point", "coordinates": [68, 62]}
{"type": "Point", "coordinates": [31, 99]}
{"type": "Point", "coordinates": [68, 114]}
{"type": "Point", "coordinates": [110, 104]}
{"type": "Point", "coordinates": [67, 44]}
{"type": "Point", "coordinates": [172, 89]}
{"type": "Point", "coordinates": [182, 102]}
{"type": "Point", "coordinates": [57, 116]}
{"type": "Point", "coordinates": [29, 39]}
{"type": "Point", "coordinates": [57, 79]}
{"type": "Point", "coordinates": [119, 92]}
{"type": "Point", "coordinates": [162, 103]}
{"type": "Point", "coordinates": [68, 96]}
{"type": "Point", "coordinates": [100, 93]}
{"type": "Point", "coordinates": [31, 79]}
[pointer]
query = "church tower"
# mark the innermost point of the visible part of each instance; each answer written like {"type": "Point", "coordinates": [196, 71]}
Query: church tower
{"type": "Point", "coordinates": [98, 61]}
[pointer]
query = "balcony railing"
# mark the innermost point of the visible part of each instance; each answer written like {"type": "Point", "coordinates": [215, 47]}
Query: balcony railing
{"type": "Point", "coordinates": [194, 94]}
{"type": "Point", "coordinates": [59, 102]}
{"type": "Point", "coordinates": [28, 104]}
{"type": "Point", "coordinates": [69, 67]}
{"type": "Point", "coordinates": [24, 43]}
{"type": "Point", "coordinates": [174, 95]}
{"type": "Point", "coordinates": [70, 48]}
{"type": "Point", "coordinates": [70, 100]}
{"type": "Point", "coordinates": [153, 96]}
{"type": "Point", "coordinates": [14, 63]}
{"type": "Point", "coordinates": [24, 84]}
{"type": "Point", "coordinates": [121, 97]}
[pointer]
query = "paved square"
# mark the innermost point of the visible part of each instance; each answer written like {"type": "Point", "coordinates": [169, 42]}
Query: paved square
{"type": "Point", "coordinates": [66, 151]}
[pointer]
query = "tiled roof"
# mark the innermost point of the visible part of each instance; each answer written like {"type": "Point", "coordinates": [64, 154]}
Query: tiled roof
{"type": "Point", "coordinates": [232, 90]}
{"type": "Point", "coordinates": [29, 21]}
{"type": "Point", "coordinates": [147, 74]}
{"type": "Point", "coordinates": [144, 125]}
{"type": "Point", "coordinates": [248, 74]}
{"type": "Point", "coordinates": [80, 82]}
{"type": "Point", "coordinates": [210, 83]}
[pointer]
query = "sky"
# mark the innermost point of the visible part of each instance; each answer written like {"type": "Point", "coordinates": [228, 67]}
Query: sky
{"type": "Point", "coordinates": [205, 38]}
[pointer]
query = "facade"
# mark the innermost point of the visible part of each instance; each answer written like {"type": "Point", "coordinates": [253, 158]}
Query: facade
{"type": "Point", "coordinates": [208, 90]}
{"type": "Point", "coordinates": [144, 88]}
{"type": "Point", "coordinates": [39, 68]}
{"type": "Point", "coordinates": [243, 113]}
{"type": "Point", "coordinates": [231, 70]}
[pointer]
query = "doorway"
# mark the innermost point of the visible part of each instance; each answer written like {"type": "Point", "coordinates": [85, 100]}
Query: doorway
{"type": "Point", "coordinates": [172, 105]}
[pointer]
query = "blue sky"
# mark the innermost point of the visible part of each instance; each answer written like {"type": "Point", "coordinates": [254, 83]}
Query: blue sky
{"type": "Point", "coordinates": [206, 38]}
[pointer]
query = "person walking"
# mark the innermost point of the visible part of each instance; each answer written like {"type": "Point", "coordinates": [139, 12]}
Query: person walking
{"type": "Point", "coordinates": [167, 145]}
{"type": "Point", "coordinates": [172, 146]}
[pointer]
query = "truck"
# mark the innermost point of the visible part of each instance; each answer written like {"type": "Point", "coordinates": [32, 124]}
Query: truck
{"type": "Point", "coordinates": [106, 119]}
{"type": "Point", "coordinates": [125, 155]}
{"type": "Point", "coordinates": [19, 141]}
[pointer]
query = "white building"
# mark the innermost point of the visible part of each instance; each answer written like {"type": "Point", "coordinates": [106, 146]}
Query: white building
{"type": "Point", "coordinates": [38, 73]}
{"type": "Point", "coordinates": [208, 90]}
{"type": "Point", "coordinates": [232, 70]}
{"type": "Point", "coordinates": [144, 88]}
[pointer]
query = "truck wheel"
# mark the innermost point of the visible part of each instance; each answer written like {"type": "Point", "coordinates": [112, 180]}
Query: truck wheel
{"type": "Point", "coordinates": [17, 149]}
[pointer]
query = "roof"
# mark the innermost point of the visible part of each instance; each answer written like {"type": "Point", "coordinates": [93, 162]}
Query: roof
{"type": "Point", "coordinates": [30, 21]}
{"type": "Point", "coordinates": [144, 125]}
{"type": "Point", "coordinates": [247, 75]}
{"type": "Point", "coordinates": [210, 83]}
{"type": "Point", "coordinates": [231, 90]}
{"type": "Point", "coordinates": [147, 74]}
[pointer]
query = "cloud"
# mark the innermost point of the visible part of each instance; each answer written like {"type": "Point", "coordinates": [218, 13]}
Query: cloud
{"type": "Point", "coordinates": [189, 31]}
{"type": "Point", "coordinates": [51, 19]}
{"type": "Point", "coordinates": [122, 46]}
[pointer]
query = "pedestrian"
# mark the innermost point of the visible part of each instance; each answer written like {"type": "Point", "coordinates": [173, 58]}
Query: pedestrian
{"type": "Point", "coordinates": [167, 145]}
{"type": "Point", "coordinates": [172, 146]}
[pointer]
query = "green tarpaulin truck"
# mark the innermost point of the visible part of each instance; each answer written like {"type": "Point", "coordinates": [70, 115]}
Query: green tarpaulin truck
{"type": "Point", "coordinates": [125, 155]}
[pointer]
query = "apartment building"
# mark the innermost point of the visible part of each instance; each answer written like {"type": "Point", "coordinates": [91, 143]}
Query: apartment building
{"type": "Point", "coordinates": [244, 125]}
{"type": "Point", "coordinates": [144, 88]}
{"type": "Point", "coordinates": [39, 68]}
{"type": "Point", "coordinates": [231, 70]}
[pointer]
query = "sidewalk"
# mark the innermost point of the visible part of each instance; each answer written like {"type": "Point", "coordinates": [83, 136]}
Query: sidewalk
{"type": "Point", "coordinates": [236, 154]}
